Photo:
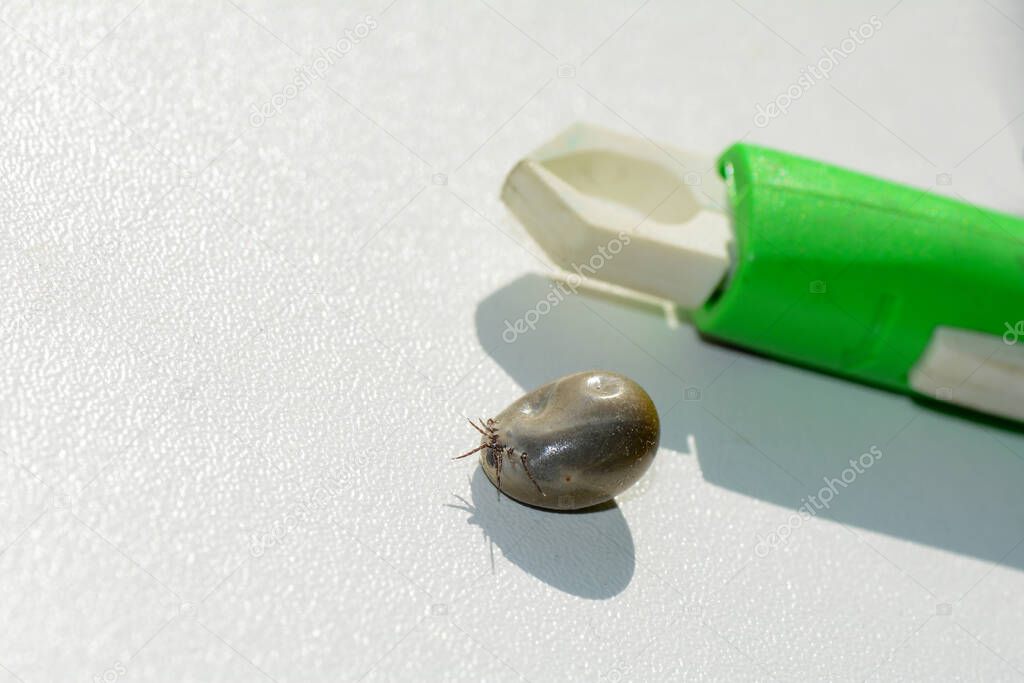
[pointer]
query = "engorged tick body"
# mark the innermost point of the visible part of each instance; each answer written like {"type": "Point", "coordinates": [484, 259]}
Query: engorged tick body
{"type": "Point", "coordinates": [575, 442]}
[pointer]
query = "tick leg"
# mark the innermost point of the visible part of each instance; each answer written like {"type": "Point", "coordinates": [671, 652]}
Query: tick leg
{"type": "Point", "coordinates": [497, 466]}
{"type": "Point", "coordinates": [479, 429]}
{"type": "Point", "coordinates": [526, 468]}
{"type": "Point", "coordinates": [478, 448]}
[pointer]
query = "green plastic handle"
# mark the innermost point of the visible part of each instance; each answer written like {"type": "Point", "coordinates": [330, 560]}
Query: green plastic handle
{"type": "Point", "coordinates": [851, 274]}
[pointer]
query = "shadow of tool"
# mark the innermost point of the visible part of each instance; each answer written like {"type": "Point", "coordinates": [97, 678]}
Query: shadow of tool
{"type": "Point", "coordinates": [588, 553]}
{"type": "Point", "coordinates": [595, 329]}
{"type": "Point", "coordinates": [777, 432]}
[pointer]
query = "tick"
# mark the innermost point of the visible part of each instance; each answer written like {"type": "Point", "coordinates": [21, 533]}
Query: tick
{"type": "Point", "coordinates": [575, 442]}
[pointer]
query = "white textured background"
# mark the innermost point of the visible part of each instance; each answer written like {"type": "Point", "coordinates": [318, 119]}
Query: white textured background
{"type": "Point", "coordinates": [220, 328]}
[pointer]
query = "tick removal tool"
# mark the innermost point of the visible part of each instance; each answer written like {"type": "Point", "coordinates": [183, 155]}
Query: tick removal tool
{"type": "Point", "coordinates": [793, 258]}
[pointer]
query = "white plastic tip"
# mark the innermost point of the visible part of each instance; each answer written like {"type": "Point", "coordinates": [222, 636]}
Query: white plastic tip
{"type": "Point", "coordinates": [626, 211]}
{"type": "Point", "coordinates": [973, 369]}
